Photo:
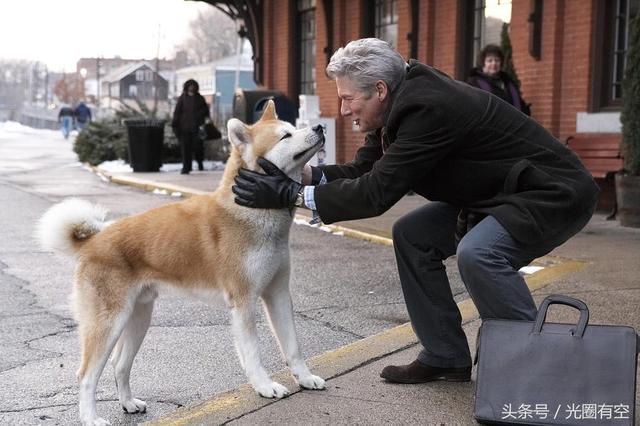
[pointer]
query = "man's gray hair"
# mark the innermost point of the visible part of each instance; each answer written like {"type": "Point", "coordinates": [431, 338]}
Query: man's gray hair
{"type": "Point", "coordinates": [366, 61]}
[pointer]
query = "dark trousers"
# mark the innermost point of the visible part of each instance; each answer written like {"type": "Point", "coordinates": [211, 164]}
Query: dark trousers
{"type": "Point", "coordinates": [488, 261]}
{"type": "Point", "coordinates": [191, 144]}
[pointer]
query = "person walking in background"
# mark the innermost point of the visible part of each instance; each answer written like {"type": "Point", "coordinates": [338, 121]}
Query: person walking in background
{"type": "Point", "coordinates": [190, 113]}
{"type": "Point", "coordinates": [83, 115]}
{"type": "Point", "coordinates": [65, 118]}
{"type": "Point", "coordinates": [488, 75]}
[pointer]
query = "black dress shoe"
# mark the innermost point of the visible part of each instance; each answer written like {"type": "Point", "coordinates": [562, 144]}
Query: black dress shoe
{"type": "Point", "coordinates": [184, 172]}
{"type": "Point", "coordinates": [416, 372]}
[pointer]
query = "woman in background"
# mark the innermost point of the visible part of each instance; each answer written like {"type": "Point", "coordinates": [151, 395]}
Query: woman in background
{"type": "Point", "coordinates": [488, 75]}
{"type": "Point", "coordinates": [190, 113]}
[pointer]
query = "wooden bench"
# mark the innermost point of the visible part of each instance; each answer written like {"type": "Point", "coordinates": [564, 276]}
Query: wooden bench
{"type": "Point", "coordinates": [601, 155]}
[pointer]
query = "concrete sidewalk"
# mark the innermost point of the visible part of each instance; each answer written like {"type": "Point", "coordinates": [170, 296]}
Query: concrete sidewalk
{"type": "Point", "coordinates": [600, 266]}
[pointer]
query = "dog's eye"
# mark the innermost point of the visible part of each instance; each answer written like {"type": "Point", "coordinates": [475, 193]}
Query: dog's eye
{"type": "Point", "coordinates": [286, 135]}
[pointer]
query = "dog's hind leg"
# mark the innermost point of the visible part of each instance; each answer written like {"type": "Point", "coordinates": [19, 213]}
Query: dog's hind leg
{"type": "Point", "coordinates": [279, 309]}
{"type": "Point", "coordinates": [243, 324]}
{"type": "Point", "coordinates": [98, 339]}
{"type": "Point", "coordinates": [127, 348]}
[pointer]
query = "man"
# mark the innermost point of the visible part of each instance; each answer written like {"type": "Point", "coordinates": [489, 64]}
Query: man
{"type": "Point", "coordinates": [497, 180]}
{"type": "Point", "coordinates": [190, 113]}
{"type": "Point", "coordinates": [83, 115]}
{"type": "Point", "coordinates": [65, 119]}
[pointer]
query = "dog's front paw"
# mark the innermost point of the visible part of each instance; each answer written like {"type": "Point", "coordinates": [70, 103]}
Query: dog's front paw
{"type": "Point", "coordinates": [272, 390]}
{"type": "Point", "coordinates": [96, 421]}
{"type": "Point", "coordinates": [133, 406]}
{"type": "Point", "coordinates": [312, 382]}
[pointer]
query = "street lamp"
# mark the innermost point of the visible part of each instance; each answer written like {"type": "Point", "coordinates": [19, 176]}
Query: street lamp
{"type": "Point", "coordinates": [44, 74]}
{"type": "Point", "coordinates": [83, 76]}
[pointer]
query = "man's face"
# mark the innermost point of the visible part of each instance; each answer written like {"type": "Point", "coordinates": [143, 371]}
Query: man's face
{"type": "Point", "coordinates": [191, 90]}
{"type": "Point", "coordinates": [366, 110]}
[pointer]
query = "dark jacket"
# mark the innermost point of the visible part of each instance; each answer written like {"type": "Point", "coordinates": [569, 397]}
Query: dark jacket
{"type": "Point", "coordinates": [65, 112]}
{"type": "Point", "coordinates": [82, 113]}
{"type": "Point", "coordinates": [502, 86]}
{"type": "Point", "coordinates": [454, 143]}
{"type": "Point", "coordinates": [190, 112]}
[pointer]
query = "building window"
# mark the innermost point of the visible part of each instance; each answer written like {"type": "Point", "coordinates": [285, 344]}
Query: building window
{"type": "Point", "coordinates": [133, 91]}
{"type": "Point", "coordinates": [140, 75]}
{"type": "Point", "coordinates": [386, 21]}
{"type": "Point", "coordinates": [148, 75]}
{"type": "Point", "coordinates": [479, 28]}
{"type": "Point", "coordinates": [614, 41]}
{"type": "Point", "coordinates": [307, 50]}
{"type": "Point", "coordinates": [481, 23]}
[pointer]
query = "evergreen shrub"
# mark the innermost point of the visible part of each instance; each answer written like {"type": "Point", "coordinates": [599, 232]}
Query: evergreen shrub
{"type": "Point", "coordinates": [102, 141]}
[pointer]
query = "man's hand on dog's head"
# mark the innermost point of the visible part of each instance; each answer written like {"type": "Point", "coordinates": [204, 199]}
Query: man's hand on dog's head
{"type": "Point", "coordinates": [273, 190]}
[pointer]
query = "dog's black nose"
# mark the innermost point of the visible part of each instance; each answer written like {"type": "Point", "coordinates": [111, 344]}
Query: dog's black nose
{"type": "Point", "coordinates": [318, 128]}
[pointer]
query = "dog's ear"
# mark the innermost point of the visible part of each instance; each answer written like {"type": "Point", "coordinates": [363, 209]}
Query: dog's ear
{"type": "Point", "coordinates": [269, 111]}
{"type": "Point", "coordinates": [238, 133]}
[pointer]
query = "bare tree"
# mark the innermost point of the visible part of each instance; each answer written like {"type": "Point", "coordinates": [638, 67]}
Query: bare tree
{"type": "Point", "coordinates": [15, 82]}
{"type": "Point", "coordinates": [69, 88]}
{"type": "Point", "coordinates": [213, 36]}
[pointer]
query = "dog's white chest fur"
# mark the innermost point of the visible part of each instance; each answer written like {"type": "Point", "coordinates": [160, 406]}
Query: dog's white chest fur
{"type": "Point", "coordinates": [270, 253]}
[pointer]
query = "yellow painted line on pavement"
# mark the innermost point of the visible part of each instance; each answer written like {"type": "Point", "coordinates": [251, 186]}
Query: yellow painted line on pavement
{"type": "Point", "coordinates": [348, 232]}
{"type": "Point", "coordinates": [232, 404]}
{"type": "Point", "coordinates": [563, 266]}
{"type": "Point", "coordinates": [144, 184]}
{"type": "Point", "coordinates": [149, 185]}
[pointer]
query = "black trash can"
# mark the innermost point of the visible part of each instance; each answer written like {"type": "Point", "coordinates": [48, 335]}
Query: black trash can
{"type": "Point", "coordinates": [146, 138]}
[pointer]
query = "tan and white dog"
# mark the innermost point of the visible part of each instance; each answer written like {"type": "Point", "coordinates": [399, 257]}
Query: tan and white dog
{"type": "Point", "coordinates": [206, 245]}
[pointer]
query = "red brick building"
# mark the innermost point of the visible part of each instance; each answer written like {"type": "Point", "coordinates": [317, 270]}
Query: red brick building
{"type": "Point", "coordinates": [569, 54]}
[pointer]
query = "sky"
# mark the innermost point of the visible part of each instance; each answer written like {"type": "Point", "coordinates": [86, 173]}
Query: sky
{"type": "Point", "coordinates": [59, 32]}
{"type": "Point", "coordinates": [498, 9]}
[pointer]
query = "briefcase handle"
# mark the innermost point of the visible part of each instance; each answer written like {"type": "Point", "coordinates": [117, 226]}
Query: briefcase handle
{"type": "Point", "coordinates": [560, 299]}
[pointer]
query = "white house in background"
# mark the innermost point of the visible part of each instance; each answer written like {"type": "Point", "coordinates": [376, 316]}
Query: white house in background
{"type": "Point", "coordinates": [134, 81]}
{"type": "Point", "coordinates": [217, 81]}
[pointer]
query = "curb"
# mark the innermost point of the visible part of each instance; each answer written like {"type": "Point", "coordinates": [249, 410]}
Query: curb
{"type": "Point", "coordinates": [236, 403]}
{"type": "Point", "coordinates": [146, 185]}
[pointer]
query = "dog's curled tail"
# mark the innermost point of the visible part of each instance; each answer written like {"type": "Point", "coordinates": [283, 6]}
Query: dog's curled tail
{"type": "Point", "coordinates": [67, 225]}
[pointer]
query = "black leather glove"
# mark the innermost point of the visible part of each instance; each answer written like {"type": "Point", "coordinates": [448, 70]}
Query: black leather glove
{"type": "Point", "coordinates": [275, 190]}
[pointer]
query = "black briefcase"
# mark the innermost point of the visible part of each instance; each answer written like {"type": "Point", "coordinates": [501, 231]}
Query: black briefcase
{"type": "Point", "coordinates": [540, 373]}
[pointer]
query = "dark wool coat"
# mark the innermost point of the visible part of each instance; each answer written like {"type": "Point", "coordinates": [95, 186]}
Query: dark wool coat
{"type": "Point", "coordinates": [190, 112]}
{"type": "Point", "coordinates": [454, 143]}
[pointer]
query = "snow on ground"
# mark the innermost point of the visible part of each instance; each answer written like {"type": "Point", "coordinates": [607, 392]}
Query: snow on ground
{"type": "Point", "coordinates": [11, 129]}
{"type": "Point", "coordinates": [119, 166]}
